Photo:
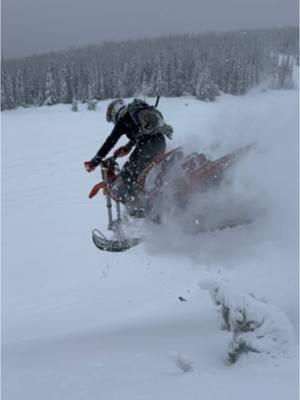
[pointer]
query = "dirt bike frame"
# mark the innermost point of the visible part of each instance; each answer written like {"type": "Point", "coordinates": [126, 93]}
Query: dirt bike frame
{"type": "Point", "coordinates": [105, 177]}
{"type": "Point", "coordinates": [109, 170]}
{"type": "Point", "coordinates": [198, 173]}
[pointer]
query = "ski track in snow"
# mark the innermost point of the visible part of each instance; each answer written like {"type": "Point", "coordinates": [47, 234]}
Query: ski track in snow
{"type": "Point", "coordinates": [83, 324]}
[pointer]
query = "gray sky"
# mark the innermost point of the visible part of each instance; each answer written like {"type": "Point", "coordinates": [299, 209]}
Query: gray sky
{"type": "Point", "coordinates": [36, 26]}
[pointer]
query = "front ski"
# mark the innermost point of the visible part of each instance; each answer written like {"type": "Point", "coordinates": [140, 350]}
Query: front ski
{"type": "Point", "coordinates": [115, 246]}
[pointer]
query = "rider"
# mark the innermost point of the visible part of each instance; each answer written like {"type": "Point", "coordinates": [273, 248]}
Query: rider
{"type": "Point", "coordinates": [146, 130]}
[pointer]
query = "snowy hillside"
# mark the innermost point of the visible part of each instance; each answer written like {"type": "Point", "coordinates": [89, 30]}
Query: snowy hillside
{"type": "Point", "coordinates": [82, 324]}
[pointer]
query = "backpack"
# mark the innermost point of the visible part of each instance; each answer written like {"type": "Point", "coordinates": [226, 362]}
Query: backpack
{"type": "Point", "coordinates": [149, 120]}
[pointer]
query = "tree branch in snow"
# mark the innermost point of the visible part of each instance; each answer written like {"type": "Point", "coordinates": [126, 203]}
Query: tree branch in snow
{"type": "Point", "coordinates": [256, 326]}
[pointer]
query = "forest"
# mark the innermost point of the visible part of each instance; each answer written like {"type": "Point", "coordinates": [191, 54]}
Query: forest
{"type": "Point", "coordinates": [202, 65]}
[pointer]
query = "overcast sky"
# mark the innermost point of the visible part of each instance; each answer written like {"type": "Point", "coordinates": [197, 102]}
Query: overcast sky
{"type": "Point", "coordinates": [36, 26]}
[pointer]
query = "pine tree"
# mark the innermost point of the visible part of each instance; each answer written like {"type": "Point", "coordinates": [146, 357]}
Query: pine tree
{"type": "Point", "coordinates": [100, 87]}
{"type": "Point", "coordinates": [41, 94]}
{"type": "Point", "coordinates": [91, 101]}
{"type": "Point", "coordinates": [176, 84]}
{"type": "Point", "coordinates": [285, 73]}
{"type": "Point", "coordinates": [20, 89]}
{"type": "Point", "coordinates": [29, 86]}
{"type": "Point", "coordinates": [63, 91]}
{"type": "Point", "coordinates": [4, 105]}
{"type": "Point", "coordinates": [160, 84]}
{"type": "Point", "coordinates": [170, 66]}
{"type": "Point", "coordinates": [69, 82]}
{"type": "Point", "coordinates": [282, 72]}
{"type": "Point", "coordinates": [50, 89]}
{"type": "Point", "coordinates": [7, 92]}
{"type": "Point", "coordinates": [206, 89]}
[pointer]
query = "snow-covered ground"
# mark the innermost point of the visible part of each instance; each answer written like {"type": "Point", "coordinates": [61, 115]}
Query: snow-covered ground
{"type": "Point", "coordinates": [82, 324]}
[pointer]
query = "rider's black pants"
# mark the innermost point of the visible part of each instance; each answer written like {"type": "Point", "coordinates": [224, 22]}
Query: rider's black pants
{"type": "Point", "coordinates": [147, 149]}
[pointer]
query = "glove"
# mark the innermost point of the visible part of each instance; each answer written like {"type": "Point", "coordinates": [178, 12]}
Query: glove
{"type": "Point", "coordinates": [121, 152]}
{"type": "Point", "coordinates": [89, 166]}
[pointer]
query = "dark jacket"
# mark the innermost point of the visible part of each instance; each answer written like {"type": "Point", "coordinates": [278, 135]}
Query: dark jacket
{"type": "Point", "coordinates": [125, 126]}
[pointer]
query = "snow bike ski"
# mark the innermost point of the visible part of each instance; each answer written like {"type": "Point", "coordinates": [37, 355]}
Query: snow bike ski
{"type": "Point", "coordinates": [120, 242]}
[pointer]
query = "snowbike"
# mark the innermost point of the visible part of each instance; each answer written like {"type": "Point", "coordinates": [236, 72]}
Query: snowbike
{"type": "Point", "coordinates": [172, 174]}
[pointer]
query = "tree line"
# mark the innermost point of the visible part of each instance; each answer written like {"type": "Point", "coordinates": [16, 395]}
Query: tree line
{"type": "Point", "coordinates": [201, 65]}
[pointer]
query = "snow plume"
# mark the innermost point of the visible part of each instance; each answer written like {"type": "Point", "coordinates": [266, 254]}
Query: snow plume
{"type": "Point", "coordinates": [263, 186]}
{"type": "Point", "coordinates": [256, 326]}
{"type": "Point", "coordinates": [234, 202]}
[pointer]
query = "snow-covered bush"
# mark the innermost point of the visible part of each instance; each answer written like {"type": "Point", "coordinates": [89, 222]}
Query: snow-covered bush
{"type": "Point", "coordinates": [256, 325]}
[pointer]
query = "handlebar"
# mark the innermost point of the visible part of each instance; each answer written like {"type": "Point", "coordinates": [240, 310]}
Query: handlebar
{"type": "Point", "coordinates": [108, 162]}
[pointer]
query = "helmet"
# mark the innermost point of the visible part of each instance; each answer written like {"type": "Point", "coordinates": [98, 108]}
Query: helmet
{"type": "Point", "coordinates": [115, 110]}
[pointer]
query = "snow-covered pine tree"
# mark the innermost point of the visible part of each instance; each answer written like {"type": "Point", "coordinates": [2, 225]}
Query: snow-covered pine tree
{"type": "Point", "coordinates": [65, 87]}
{"type": "Point", "coordinates": [145, 86]}
{"type": "Point", "coordinates": [41, 93]}
{"type": "Point", "coordinates": [297, 56]}
{"type": "Point", "coordinates": [282, 72]}
{"type": "Point", "coordinates": [7, 93]}
{"type": "Point", "coordinates": [206, 89]}
{"type": "Point", "coordinates": [100, 87]}
{"type": "Point", "coordinates": [169, 65]}
{"type": "Point", "coordinates": [91, 101]}
{"type": "Point", "coordinates": [50, 89]}
{"type": "Point", "coordinates": [178, 84]}
{"type": "Point", "coordinates": [29, 86]}
{"type": "Point", "coordinates": [131, 79]}
{"type": "Point", "coordinates": [160, 85]}
{"type": "Point", "coordinates": [63, 91]}
{"type": "Point", "coordinates": [20, 89]}
{"type": "Point", "coordinates": [67, 79]}
{"type": "Point", "coordinates": [4, 105]}
{"type": "Point", "coordinates": [118, 89]}
{"type": "Point", "coordinates": [285, 73]}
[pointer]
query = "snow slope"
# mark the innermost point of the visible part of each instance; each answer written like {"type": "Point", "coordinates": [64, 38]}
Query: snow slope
{"type": "Point", "coordinates": [82, 324]}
